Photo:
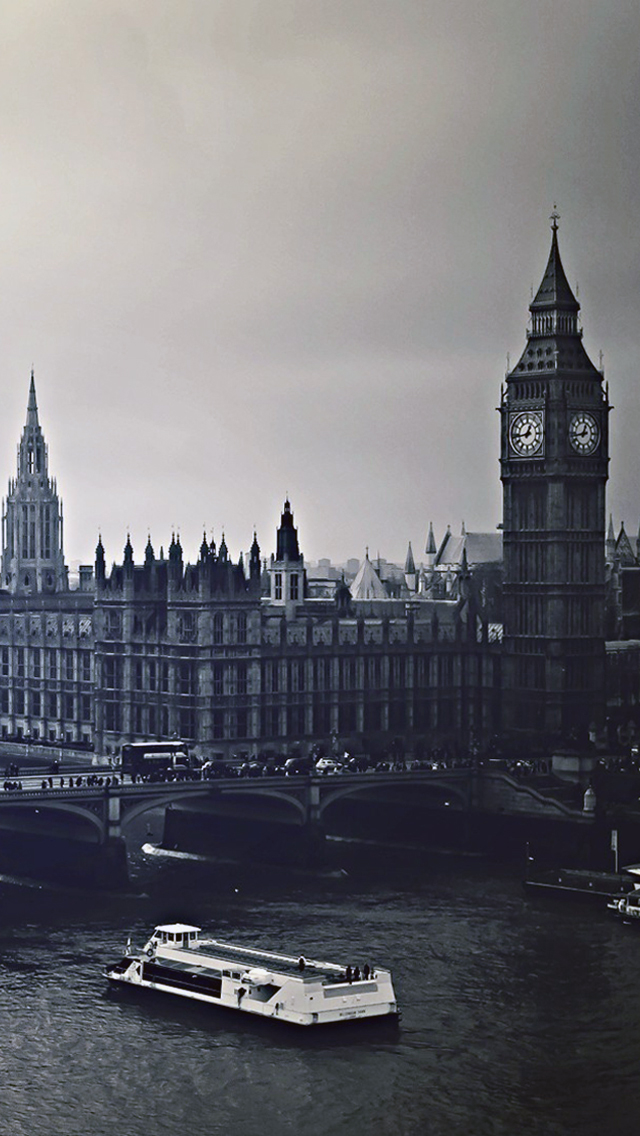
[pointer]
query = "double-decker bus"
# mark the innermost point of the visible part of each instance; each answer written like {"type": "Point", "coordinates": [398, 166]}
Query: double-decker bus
{"type": "Point", "coordinates": [156, 758]}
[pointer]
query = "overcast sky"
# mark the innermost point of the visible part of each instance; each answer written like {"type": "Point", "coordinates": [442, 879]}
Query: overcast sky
{"type": "Point", "coordinates": [254, 247]}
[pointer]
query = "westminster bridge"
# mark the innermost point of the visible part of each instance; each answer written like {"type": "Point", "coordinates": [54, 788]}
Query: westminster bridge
{"type": "Point", "coordinates": [95, 817]}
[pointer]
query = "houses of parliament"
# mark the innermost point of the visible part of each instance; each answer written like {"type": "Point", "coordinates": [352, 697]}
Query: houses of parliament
{"type": "Point", "coordinates": [236, 657]}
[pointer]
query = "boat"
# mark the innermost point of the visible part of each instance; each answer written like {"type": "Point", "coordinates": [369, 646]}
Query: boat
{"type": "Point", "coordinates": [626, 908]}
{"type": "Point", "coordinates": [306, 992]}
{"type": "Point", "coordinates": [581, 883]}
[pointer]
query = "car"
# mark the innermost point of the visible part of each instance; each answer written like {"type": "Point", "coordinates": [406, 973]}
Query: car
{"type": "Point", "coordinates": [328, 765]}
{"type": "Point", "coordinates": [295, 765]}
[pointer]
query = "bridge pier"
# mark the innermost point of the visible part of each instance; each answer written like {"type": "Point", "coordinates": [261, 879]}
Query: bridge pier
{"type": "Point", "coordinates": [111, 868]}
{"type": "Point", "coordinates": [313, 835]}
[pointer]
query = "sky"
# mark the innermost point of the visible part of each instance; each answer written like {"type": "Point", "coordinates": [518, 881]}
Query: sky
{"type": "Point", "coordinates": [265, 247]}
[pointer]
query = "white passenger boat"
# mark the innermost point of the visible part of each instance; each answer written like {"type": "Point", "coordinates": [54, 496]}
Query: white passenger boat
{"type": "Point", "coordinates": [628, 907]}
{"type": "Point", "coordinates": [303, 991]}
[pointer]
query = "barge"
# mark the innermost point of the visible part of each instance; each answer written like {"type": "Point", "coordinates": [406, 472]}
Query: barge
{"type": "Point", "coordinates": [306, 992]}
{"type": "Point", "coordinates": [582, 883]}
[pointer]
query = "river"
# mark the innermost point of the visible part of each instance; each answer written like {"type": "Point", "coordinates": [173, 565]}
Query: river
{"type": "Point", "coordinates": [520, 1016]}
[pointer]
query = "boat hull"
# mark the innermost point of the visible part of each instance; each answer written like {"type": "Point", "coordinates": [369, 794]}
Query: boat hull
{"type": "Point", "coordinates": [247, 1005]}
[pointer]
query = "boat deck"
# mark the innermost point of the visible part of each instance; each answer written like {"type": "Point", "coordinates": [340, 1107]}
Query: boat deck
{"type": "Point", "coordinates": [248, 958]}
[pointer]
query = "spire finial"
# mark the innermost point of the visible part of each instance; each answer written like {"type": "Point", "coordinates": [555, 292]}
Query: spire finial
{"type": "Point", "coordinates": [554, 218]}
{"type": "Point", "coordinates": [32, 405]}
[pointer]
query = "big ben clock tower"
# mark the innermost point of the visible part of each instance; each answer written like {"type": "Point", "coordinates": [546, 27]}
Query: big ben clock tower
{"type": "Point", "coordinates": [554, 458]}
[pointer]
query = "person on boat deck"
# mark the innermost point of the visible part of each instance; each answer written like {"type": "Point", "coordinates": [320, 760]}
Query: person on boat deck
{"type": "Point", "coordinates": [349, 974]}
{"type": "Point", "coordinates": [356, 974]}
{"type": "Point", "coordinates": [301, 963]}
{"type": "Point", "coordinates": [365, 971]}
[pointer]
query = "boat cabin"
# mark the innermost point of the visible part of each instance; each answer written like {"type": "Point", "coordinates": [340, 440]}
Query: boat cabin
{"type": "Point", "coordinates": [179, 935]}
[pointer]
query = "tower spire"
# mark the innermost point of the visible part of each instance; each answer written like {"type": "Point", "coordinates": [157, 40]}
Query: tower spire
{"type": "Point", "coordinates": [32, 405]}
{"type": "Point", "coordinates": [32, 550]}
{"type": "Point", "coordinates": [554, 293]}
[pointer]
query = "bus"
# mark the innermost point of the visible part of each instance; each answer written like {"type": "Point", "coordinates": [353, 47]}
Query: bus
{"type": "Point", "coordinates": [140, 759]}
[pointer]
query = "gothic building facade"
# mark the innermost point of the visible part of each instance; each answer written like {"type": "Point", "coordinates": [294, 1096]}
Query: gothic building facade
{"type": "Point", "coordinates": [237, 661]}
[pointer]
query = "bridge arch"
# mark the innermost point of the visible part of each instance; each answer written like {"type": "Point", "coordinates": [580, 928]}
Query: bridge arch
{"type": "Point", "coordinates": [41, 805]}
{"type": "Point", "coordinates": [420, 790]}
{"type": "Point", "coordinates": [269, 793]}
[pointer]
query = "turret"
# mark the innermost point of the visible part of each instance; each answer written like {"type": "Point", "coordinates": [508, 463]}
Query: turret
{"type": "Point", "coordinates": [287, 571]}
{"type": "Point", "coordinates": [254, 560]}
{"type": "Point", "coordinates": [100, 561]}
{"type": "Point", "coordinates": [410, 577]}
{"type": "Point", "coordinates": [430, 550]}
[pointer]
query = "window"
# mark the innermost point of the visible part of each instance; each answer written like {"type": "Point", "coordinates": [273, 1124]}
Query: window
{"type": "Point", "coordinates": [373, 673]}
{"type": "Point", "coordinates": [348, 676]}
{"type": "Point", "coordinates": [86, 666]}
{"type": "Point", "coordinates": [4, 661]}
{"type": "Point", "coordinates": [20, 662]}
{"type": "Point", "coordinates": [152, 675]}
{"type": "Point", "coordinates": [52, 663]}
{"type": "Point", "coordinates": [68, 707]}
{"type": "Point", "coordinates": [35, 703]}
{"type": "Point", "coordinates": [52, 705]}
{"type": "Point", "coordinates": [296, 676]}
{"type": "Point", "coordinates": [111, 672]}
{"type": "Point", "coordinates": [242, 679]}
{"type": "Point", "coordinates": [218, 679]}
{"type": "Point", "coordinates": [294, 585]}
{"type": "Point", "coordinates": [138, 677]}
{"type": "Point", "coordinates": [278, 586]}
{"type": "Point", "coordinates": [187, 723]}
{"type": "Point", "coordinates": [112, 716]}
{"type": "Point", "coordinates": [270, 676]}
{"type": "Point", "coordinates": [218, 724]}
{"type": "Point", "coordinates": [68, 666]}
{"type": "Point", "coordinates": [37, 664]}
{"type": "Point", "coordinates": [185, 679]}
{"type": "Point", "coordinates": [113, 625]}
{"type": "Point", "coordinates": [242, 628]}
{"type": "Point", "coordinates": [85, 707]}
{"type": "Point", "coordinates": [218, 628]}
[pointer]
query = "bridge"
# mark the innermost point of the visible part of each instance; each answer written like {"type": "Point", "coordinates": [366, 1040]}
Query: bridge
{"type": "Point", "coordinates": [105, 811]}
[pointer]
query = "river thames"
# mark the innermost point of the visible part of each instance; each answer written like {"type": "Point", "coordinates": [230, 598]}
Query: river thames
{"type": "Point", "coordinates": [519, 1015]}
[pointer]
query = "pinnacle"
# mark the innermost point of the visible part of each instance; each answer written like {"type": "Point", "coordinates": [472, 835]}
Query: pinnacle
{"type": "Point", "coordinates": [32, 405]}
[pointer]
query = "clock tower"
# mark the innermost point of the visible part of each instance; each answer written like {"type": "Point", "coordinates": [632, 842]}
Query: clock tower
{"type": "Point", "coordinates": [554, 459]}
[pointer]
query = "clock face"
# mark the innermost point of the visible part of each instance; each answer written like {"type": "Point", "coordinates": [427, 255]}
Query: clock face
{"type": "Point", "coordinates": [526, 432]}
{"type": "Point", "coordinates": [584, 432]}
